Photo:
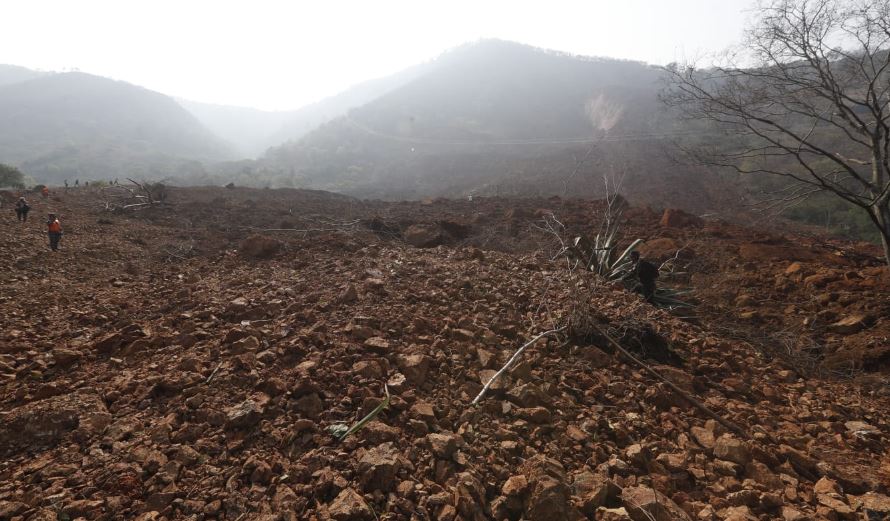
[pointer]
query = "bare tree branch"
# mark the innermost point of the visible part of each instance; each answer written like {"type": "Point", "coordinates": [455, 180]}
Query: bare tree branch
{"type": "Point", "coordinates": [808, 102]}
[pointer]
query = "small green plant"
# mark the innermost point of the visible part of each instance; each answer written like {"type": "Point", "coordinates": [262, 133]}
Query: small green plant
{"type": "Point", "coordinates": [342, 431]}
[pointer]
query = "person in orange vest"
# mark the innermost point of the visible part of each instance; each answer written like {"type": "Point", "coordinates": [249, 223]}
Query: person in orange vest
{"type": "Point", "coordinates": [54, 230]}
{"type": "Point", "coordinates": [44, 192]}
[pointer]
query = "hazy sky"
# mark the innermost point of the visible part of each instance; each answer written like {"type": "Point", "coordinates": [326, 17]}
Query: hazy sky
{"type": "Point", "coordinates": [285, 53]}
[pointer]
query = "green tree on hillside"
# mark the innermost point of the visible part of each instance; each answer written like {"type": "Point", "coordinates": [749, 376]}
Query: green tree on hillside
{"type": "Point", "coordinates": [11, 176]}
{"type": "Point", "coordinates": [808, 100]}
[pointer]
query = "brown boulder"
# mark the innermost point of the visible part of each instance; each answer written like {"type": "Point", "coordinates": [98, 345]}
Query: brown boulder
{"type": "Point", "coordinates": [792, 514]}
{"type": "Point", "coordinates": [309, 405]}
{"type": "Point", "coordinates": [423, 235]}
{"type": "Point", "coordinates": [443, 446]}
{"type": "Point", "coordinates": [550, 501]}
{"type": "Point", "coordinates": [673, 218]}
{"type": "Point", "coordinates": [377, 344]}
{"type": "Point", "coordinates": [850, 324]}
{"type": "Point", "coordinates": [874, 505]}
{"type": "Point", "coordinates": [10, 509]}
{"type": "Point", "coordinates": [596, 356]}
{"type": "Point", "coordinates": [369, 369]}
{"type": "Point", "coordinates": [802, 463]}
{"type": "Point", "coordinates": [515, 486]}
{"type": "Point", "coordinates": [703, 437]}
{"type": "Point", "coordinates": [757, 251]}
{"type": "Point", "coordinates": [549, 496]}
{"type": "Point", "coordinates": [244, 415]}
{"type": "Point", "coordinates": [762, 474]}
{"type": "Point", "coordinates": [349, 505]}
{"type": "Point", "coordinates": [646, 504]}
{"type": "Point", "coordinates": [469, 497]}
{"type": "Point", "coordinates": [260, 247]}
{"type": "Point", "coordinates": [498, 386]}
{"type": "Point", "coordinates": [120, 338]}
{"type": "Point", "coordinates": [528, 395]}
{"type": "Point", "coordinates": [678, 377]}
{"type": "Point", "coordinates": [45, 422]}
{"type": "Point", "coordinates": [539, 415]}
{"type": "Point", "coordinates": [664, 248]}
{"type": "Point", "coordinates": [591, 491]}
{"type": "Point", "coordinates": [65, 357]}
{"type": "Point", "coordinates": [415, 367]}
{"type": "Point", "coordinates": [377, 468]}
{"type": "Point", "coordinates": [826, 486]}
{"type": "Point", "coordinates": [378, 432]}
{"type": "Point", "coordinates": [732, 449]}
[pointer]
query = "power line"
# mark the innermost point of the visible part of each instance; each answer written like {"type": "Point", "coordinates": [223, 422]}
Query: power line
{"type": "Point", "coordinates": [650, 136]}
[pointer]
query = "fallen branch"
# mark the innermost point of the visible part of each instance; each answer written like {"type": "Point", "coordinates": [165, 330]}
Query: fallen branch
{"type": "Point", "coordinates": [210, 378]}
{"type": "Point", "coordinates": [294, 230]}
{"type": "Point", "coordinates": [700, 406]}
{"type": "Point", "coordinates": [511, 360]}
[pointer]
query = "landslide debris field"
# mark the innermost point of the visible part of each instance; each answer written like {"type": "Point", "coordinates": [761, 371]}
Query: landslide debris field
{"type": "Point", "coordinates": [182, 363]}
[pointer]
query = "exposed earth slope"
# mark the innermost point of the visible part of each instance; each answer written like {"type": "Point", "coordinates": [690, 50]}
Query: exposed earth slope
{"type": "Point", "coordinates": [181, 364]}
{"type": "Point", "coordinates": [495, 118]}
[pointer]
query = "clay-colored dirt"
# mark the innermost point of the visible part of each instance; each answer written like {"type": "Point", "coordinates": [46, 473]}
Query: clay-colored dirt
{"type": "Point", "coordinates": [187, 362]}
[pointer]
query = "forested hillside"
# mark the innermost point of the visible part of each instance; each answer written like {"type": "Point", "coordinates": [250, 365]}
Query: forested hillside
{"type": "Point", "coordinates": [69, 125]}
{"type": "Point", "coordinates": [500, 117]}
{"type": "Point", "coordinates": [15, 74]}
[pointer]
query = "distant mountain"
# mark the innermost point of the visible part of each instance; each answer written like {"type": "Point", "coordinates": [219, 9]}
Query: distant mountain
{"type": "Point", "coordinates": [69, 125]}
{"type": "Point", "coordinates": [308, 118]}
{"type": "Point", "coordinates": [253, 131]}
{"type": "Point", "coordinates": [499, 117]}
{"type": "Point", "coordinates": [249, 131]}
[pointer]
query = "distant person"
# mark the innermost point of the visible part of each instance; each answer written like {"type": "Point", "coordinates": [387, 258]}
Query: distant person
{"type": "Point", "coordinates": [21, 209]}
{"type": "Point", "coordinates": [66, 184]}
{"type": "Point", "coordinates": [44, 192]}
{"type": "Point", "coordinates": [77, 182]}
{"type": "Point", "coordinates": [87, 183]}
{"type": "Point", "coordinates": [54, 231]}
{"type": "Point", "coordinates": [645, 273]}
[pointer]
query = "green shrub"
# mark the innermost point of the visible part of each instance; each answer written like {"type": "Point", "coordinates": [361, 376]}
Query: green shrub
{"type": "Point", "coordinates": [10, 176]}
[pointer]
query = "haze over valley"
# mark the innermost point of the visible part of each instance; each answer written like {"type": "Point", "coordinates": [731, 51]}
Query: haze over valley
{"type": "Point", "coordinates": [487, 117]}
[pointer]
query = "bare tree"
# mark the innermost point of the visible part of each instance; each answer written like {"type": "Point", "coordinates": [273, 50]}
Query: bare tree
{"type": "Point", "coordinates": [807, 99]}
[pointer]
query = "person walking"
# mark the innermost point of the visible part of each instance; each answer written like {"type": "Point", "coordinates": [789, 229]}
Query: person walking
{"type": "Point", "coordinates": [54, 231]}
{"type": "Point", "coordinates": [21, 209]}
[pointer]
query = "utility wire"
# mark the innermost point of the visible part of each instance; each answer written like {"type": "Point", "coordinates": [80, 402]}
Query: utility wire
{"type": "Point", "coordinates": [651, 136]}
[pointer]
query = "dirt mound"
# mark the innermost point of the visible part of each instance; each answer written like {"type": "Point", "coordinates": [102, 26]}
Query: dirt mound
{"type": "Point", "coordinates": [260, 247]}
{"type": "Point", "coordinates": [674, 218]}
{"type": "Point", "coordinates": [423, 235]}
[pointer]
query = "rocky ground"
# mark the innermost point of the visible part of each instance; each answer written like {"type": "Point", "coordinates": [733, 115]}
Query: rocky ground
{"type": "Point", "coordinates": [189, 362]}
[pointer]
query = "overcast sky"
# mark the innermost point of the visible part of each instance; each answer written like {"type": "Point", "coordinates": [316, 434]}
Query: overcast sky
{"type": "Point", "coordinates": [283, 54]}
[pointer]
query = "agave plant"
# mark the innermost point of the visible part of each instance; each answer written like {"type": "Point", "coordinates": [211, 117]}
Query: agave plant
{"type": "Point", "coordinates": [668, 298]}
{"type": "Point", "coordinates": [599, 257]}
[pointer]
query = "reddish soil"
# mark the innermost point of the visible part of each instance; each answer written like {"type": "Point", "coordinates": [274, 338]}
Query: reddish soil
{"type": "Point", "coordinates": [187, 363]}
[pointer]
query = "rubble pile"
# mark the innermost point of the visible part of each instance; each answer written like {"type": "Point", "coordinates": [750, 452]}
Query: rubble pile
{"type": "Point", "coordinates": [152, 370]}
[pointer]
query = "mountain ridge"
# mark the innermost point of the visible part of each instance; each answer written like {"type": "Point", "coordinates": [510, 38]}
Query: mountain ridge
{"type": "Point", "coordinates": [490, 113]}
{"type": "Point", "coordinates": [76, 124]}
